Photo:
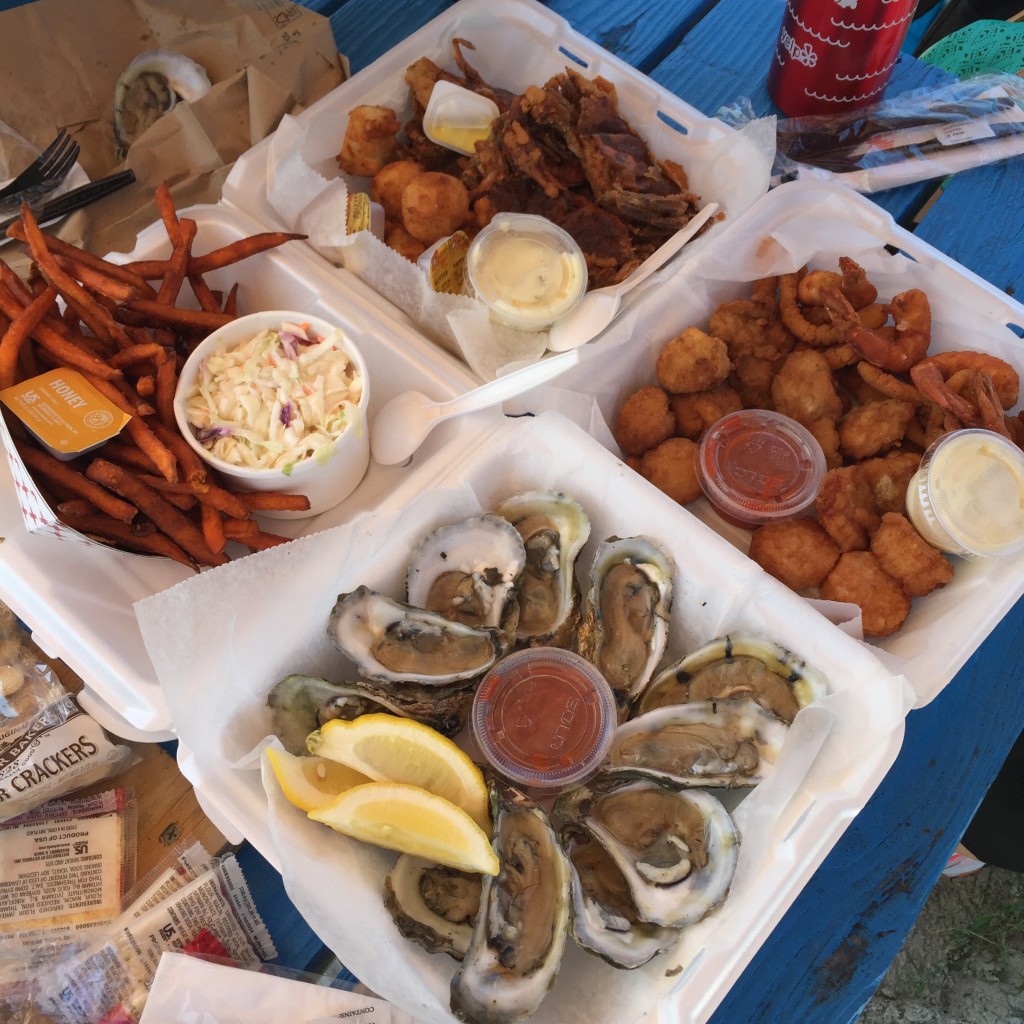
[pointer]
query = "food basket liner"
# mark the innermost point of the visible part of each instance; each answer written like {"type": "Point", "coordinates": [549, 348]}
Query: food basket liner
{"type": "Point", "coordinates": [814, 223]}
{"type": "Point", "coordinates": [218, 663]}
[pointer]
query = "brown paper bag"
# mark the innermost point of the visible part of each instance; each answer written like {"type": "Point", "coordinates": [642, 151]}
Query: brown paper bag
{"type": "Point", "coordinates": [61, 60]}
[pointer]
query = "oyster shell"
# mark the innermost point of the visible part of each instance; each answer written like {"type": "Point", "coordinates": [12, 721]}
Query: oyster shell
{"type": "Point", "coordinates": [432, 904]}
{"type": "Point", "coordinates": [605, 921]}
{"type": "Point", "coordinates": [554, 529]}
{"type": "Point", "coordinates": [469, 572]}
{"type": "Point", "coordinates": [676, 848]}
{"type": "Point", "coordinates": [150, 87]}
{"type": "Point", "coordinates": [301, 704]}
{"type": "Point", "coordinates": [738, 665]}
{"type": "Point", "coordinates": [520, 931]}
{"type": "Point", "coordinates": [625, 625]}
{"type": "Point", "coordinates": [704, 743]}
{"type": "Point", "coordinates": [392, 642]}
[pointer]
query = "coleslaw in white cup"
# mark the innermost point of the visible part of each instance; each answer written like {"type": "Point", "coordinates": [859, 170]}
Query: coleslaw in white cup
{"type": "Point", "coordinates": [276, 401]}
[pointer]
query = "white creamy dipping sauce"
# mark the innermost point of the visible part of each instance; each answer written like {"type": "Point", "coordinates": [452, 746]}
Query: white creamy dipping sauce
{"type": "Point", "coordinates": [967, 498]}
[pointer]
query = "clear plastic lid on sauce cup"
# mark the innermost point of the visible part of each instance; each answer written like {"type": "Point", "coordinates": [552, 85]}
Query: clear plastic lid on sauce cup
{"type": "Point", "coordinates": [527, 271]}
{"type": "Point", "coordinates": [544, 719]}
{"type": "Point", "coordinates": [967, 496]}
{"type": "Point", "coordinates": [759, 467]}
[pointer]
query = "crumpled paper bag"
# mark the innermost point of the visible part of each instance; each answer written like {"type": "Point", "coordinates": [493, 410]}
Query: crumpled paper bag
{"type": "Point", "coordinates": [265, 58]}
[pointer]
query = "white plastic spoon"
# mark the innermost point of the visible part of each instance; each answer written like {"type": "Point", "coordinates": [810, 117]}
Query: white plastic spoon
{"type": "Point", "coordinates": [402, 425]}
{"type": "Point", "coordinates": [598, 308]}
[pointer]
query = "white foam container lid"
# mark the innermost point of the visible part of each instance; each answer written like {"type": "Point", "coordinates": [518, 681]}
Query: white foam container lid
{"type": "Point", "coordinates": [77, 599]}
{"type": "Point", "coordinates": [814, 223]}
{"type": "Point", "coordinates": [217, 667]}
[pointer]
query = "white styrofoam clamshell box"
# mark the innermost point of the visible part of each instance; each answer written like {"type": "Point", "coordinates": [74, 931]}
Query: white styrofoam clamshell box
{"type": "Point", "coordinates": [517, 43]}
{"type": "Point", "coordinates": [218, 665]}
{"type": "Point", "coordinates": [77, 598]}
{"type": "Point", "coordinates": [814, 223]}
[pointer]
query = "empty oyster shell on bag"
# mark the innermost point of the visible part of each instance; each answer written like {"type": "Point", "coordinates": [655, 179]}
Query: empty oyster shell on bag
{"type": "Point", "coordinates": [150, 87]}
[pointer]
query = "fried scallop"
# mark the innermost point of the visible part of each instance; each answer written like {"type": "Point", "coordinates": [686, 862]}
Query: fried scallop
{"type": "Point", "coordinates": [644, 420]}
{"type": "Point", "coordinates": [797, 551]}
{"type": "Point", "coordinates": [695, 413]}
{"type": "Point", "coordinates": [692, 361]}
{"type": "Point", "coordinates": [889, 477]}
{"type": "Point", "coordinates": [906, 556]}
{"type": "Point", "coordinates": [859, 579]}
{"type": "Point", "coordinates": [874, 428]}
{"type": "Point", "coordinates": [672, 468]}
{"type": "Point", "coordinates": [847, 508]}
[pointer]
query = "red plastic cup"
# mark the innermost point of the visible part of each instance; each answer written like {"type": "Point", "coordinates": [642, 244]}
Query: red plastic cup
{"type": "Point", "coordinates": [836, 55]}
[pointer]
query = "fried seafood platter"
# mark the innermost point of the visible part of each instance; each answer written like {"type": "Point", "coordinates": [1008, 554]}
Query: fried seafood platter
{"type": "Point", "coordinates": [350, 588]}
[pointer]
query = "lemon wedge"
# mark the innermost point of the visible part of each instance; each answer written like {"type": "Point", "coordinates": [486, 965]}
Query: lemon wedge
{"type": "Point", "coordinates": [387, 748]}
{"type": "Point", "coordinates": [411, 820]}
{"type": "Point", "coordinates": [311, 782]}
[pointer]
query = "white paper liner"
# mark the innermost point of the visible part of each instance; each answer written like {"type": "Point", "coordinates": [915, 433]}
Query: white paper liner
{"type": "Point", "coordinates": [226, 650]}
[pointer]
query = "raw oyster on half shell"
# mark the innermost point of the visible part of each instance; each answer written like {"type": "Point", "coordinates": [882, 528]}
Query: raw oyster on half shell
{"type": "Point", "coordinates": [150, 87]}
{"type": "Point", "coordinates": [521, 929]}
{"type": "Point", "coordinates": [625, 625]}
{"type": "Point", "coordinates": [677, 849]}
{"type": "Point", "coordinates": [392, 642]}
{"type": "Point", "coordinates": [432, 904]}
{"type": "Point", "coordinates": [554, 529]}
{"type": "Point", "coordinates": [469, 573]}
{"type": "Point", "coordinates": [738, 665]}
{"type": "Point", "coordinates": [719, 743]}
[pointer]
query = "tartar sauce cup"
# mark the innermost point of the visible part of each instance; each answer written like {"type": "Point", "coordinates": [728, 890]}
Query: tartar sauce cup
{"type": "Point", "coordinates": [758, 467]}
{"type": "Point", "coordinates": [967, 496]}
{"type": "Point", "coordinates": [543, 719]}
{"type": "Point", "coordinates": [528, 271]}
{"type": "Point", "coordinates": [328, 475]}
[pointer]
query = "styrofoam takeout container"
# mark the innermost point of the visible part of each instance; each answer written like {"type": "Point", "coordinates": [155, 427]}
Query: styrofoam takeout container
{"type": "Point", "coordinates": [814, 223]}
{"type": "Point", "coordinates": [837, 752]}
{"type": "Point", "coordinates": [516, 44]}
{"type": "Point", "coordinates": [77, 598]}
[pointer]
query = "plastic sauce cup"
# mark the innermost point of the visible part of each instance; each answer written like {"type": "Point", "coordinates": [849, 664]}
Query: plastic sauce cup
{"type": "Point", "coordinates": [527, 271]}
{"type": "Point", "coordinates": [758, 467]}
{"type": "Point", "coordinates": [458, 118]}
{"type": "Point", "coordinates": [543, 718]}
{"type": "Point", "coordinates": [967, 496]}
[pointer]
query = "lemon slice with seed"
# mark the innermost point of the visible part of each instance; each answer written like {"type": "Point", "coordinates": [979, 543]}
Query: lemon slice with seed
{"type": "Point", "coordinates": [390, 749]}
{"type": "Point", "coordinates": [411, 820]}
{"type": "Point", "coordinates": [311, 782]}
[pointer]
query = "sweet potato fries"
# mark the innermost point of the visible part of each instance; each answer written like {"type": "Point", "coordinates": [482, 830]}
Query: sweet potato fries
{"type": "Point", "coordinates": [128, 329]}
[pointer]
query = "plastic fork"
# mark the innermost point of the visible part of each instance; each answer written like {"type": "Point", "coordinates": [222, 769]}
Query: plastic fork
{"type": "Point", "coordinates": [44, 174]}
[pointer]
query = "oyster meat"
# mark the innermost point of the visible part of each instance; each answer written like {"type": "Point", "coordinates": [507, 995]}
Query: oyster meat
{"type": "Point", "coordinates": [469, 573]}
{"type": "Point", "coordinates": [554, 529]}
{"type": "Point", "coordinates": [150, 87]}
{"type": "Point", "coordinates": [520, 932]}
{"type": "Point", "coordinates": [703, 743]}
{"type": "Point", "coordinates": [677, 849]}
{"type": "Point", "coordinates": [738, 665]}
{"type": "Point", "coordinates": [605, 921]}
{"type": "Point", "coordinates": [393, 642]}
{"type": "Point", "coordinates": [625, 626]}
{"type": "Point", "coordinates": [301, 704]}
{"type": "Point", "coordinates": [432, 904]}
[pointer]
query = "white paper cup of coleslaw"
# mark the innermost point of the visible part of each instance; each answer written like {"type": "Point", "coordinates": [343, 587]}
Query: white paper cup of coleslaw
{"type": "Point", "coordinates": [288, 414]}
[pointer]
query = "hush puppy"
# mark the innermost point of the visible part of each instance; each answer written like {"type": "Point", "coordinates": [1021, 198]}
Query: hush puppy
{"type": "Point", "coordinates": [693, 361]}
{"type": "Point", "coordinates": [434, 205]}
{"type": "Point", "coordinates": [798, 551]}
{"type": "Point", "coordinates": [672, 468]}
{"type": "Point", "coordinates": [644, 421]}
{"type": "Point", "coordinates": [859, 579]}
{"type": "Point", "coordinates": [906, 556]}
{"type": "Point", "coordinates": [389, 183]}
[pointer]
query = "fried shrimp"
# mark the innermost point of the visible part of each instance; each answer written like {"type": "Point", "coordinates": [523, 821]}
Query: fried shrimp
{"type": "Point", "coordinates": [852, 281]}
{"type": "Point", "coordinates": [859, 579]}
{"type": "Point", "coordinates": [933, 379]}
{"type": "Point", "coordinates": [896, 349]}
{"type": "Point", "coordinates": [886, 384]}
{"type": "Point", "coordinates": [874, 428]}
{"type": "Point", "coordinates": [847, 508]}
{"type": "Point", "coordinates": [793, 317]}
{"type": "Point", "coordinates": [692, 361]}
{"type": "Point", "coordinates": [644, 421]}
{"type": "Point", "coordinates": [906, 556]}
{"type": "Point", "coordinates": [797, 551]}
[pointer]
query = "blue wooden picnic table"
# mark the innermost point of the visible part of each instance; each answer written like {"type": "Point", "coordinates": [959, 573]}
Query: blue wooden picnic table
{"type": "Point", "coordinates": [824, 960]}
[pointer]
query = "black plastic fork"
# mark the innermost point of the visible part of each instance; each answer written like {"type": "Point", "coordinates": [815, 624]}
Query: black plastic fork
{"type": "Point", "coordinates": [44, 174]}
